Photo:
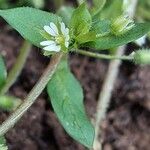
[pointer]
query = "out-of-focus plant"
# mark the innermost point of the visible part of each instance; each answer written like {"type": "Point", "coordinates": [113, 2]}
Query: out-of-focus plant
{"type": "Point", "coordinates": [143, 12]}
{"type": "Point", "coordinates": [36, 3]}
{"type": "Point", "coordinates": [74, 30]}
{"type": "Point", "coordinates": [3, 145]}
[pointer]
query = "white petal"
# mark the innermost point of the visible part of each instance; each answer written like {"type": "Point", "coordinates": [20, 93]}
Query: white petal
{"type": "Point", "coordinates": [53, 48]}
{"type": "Point", "coordinates": [63, 28]}
{"type": "Point", "coordinates": [66, 44]}
{"type": "Point", "coordinates": [46, 43]}
{"type": "Point", "coordinates": [54, 27]}
{"type": "Point", "coordinates": [67, 37]}
{"type": "Point", "coordinates": [67, 31]}
{"type": "Point", "coordinates": [49, 31]}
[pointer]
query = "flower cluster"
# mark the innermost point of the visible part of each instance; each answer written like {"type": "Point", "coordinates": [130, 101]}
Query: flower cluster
{"type": "Point", "coordinates": [59, 38]}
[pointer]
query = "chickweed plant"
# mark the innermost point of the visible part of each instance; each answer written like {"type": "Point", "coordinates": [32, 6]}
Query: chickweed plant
{"type": "Point", "coordinates": [83, 30]}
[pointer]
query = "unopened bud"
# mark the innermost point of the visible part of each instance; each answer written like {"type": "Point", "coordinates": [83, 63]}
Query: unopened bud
{"type": "Point", "coordinates": [142, 57]}
{"type": "Point", "coordinates": [9, 103]}
{"type": "Point", "coordinates": [121, 25]}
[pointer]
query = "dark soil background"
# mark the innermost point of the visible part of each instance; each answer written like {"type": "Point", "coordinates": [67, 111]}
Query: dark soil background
{"type": "Point", "coordinates": [127, 125]}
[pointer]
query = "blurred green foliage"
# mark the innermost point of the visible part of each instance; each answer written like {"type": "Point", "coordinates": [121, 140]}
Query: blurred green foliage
{"type": "Point", "coordinates": [143, 10]}
{"type": "Point", "coordinates": [4, 4]}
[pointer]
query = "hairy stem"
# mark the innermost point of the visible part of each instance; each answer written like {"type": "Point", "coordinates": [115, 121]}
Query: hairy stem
{"type": "Point", "coordinates": [105, 95]}
{"type": "Point", "coordinates": [32, 96]}
{"type": "Point", "coordinates": [103, 56]}
{"type": "Point", "coordinates": [106, 92]}
{"type": "Point", "coordinates": [17, 68]}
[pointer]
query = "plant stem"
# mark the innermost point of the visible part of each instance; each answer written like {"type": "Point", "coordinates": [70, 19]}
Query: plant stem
{"type": "Point", "coordinates": [103, 56]}
{"type": "Point", "coordinates": [106, 92]}
{"type": "Point", "coordinates": [32, 96]}
{"type": "Point", "coordinates": [105, 95]}
{"type": "Point", "coordinates": [17, 68]}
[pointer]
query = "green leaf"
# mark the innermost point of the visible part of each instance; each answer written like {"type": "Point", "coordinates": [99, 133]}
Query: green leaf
{"type": "Point", "coordinates": [65, 13]}
{"type": "Point", "coordinates": [111, 41]}
{"type": "Point", "coordinates": [9, 103]}
{"type": "Point", "coordinates": [90, 36]}
{"type": "Point", "coordinates": [101, 26]}
{"type": "Point", "coordinates": [67, 100]}
{"type": "Point", "coordinates": [112, 9]}
{"type": "Point", "coordinates": [29, 22]}
{"type": "Point", "coordinates": [98, 5]}
{"type": "Point", "coordinates": [81, 20]}
{"type": "Point", "coordinates": [3, 145]}
{"type": "Point", "coordinates": [3, 72]}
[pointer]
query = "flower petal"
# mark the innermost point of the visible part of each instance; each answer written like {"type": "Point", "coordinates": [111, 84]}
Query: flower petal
{"type": "Point", "coordinates": [54, 28]}
{"type": "Point", "coordinates": [46, 43]}
{"type": "Point", "coordinates": [67, 37]}
{"type": "Point", "coordinates": [53, 48]}
{"type": "Point", "coordinates": [66, 44]}
{"type": "Point", "coordinates": [67, 31]}
{"type": "Point", "coordinates": [63, 28]}
{"type": "Point", "coordinates": [50, 31]}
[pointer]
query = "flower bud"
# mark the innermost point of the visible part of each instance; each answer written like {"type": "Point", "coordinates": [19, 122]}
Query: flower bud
{"type": "Point", "coordinates": [121, 25]}
{"type": "Point", "coordinates": [9, 103]}
{"type": "Point", "coordinates": [142, 57]}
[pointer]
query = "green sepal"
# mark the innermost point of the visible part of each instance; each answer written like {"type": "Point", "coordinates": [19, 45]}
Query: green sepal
{"type": "Point", "coordinates": [80, 21]}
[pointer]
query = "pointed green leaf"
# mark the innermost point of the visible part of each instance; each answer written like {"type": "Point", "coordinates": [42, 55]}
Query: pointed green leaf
{"type": "Point", "coordinates": [81, 20]}
{"type": "Point", "coordinates": [65, 13]}
{"type": "Point", "coordinates": [29, 22]}
{"type": "Point", "coordinates": [3, 72]}
{"type": "Point", "coordinates": [3, 145]}
{"type": "Point", "coordinates": [66, 97]}
{"type": "Point", "coordinates": [111, 41]}
{"type": "Point", "coordinates": [98, 5]}
{"type": "Point", "coordinates": [112, 9]}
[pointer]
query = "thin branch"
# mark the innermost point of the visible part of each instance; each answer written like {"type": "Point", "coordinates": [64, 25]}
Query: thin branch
{"type": "Point", "coordinates": [17, 68]}
{"type": "Point", "coordinates": [103, 56]}
{"type": "Point", "coordinates": [105, 95]}
{"type": "Point", "coordinates": [32, 96]}
{"type": "Point", "coordinates": [106, 92]}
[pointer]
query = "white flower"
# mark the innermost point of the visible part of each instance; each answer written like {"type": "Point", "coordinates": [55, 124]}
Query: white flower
{"type": "Point", "coordinates": [59, 38]}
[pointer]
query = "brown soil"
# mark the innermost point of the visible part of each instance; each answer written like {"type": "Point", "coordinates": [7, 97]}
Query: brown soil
{"type": "Point", "coordinates": [126, 126]}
